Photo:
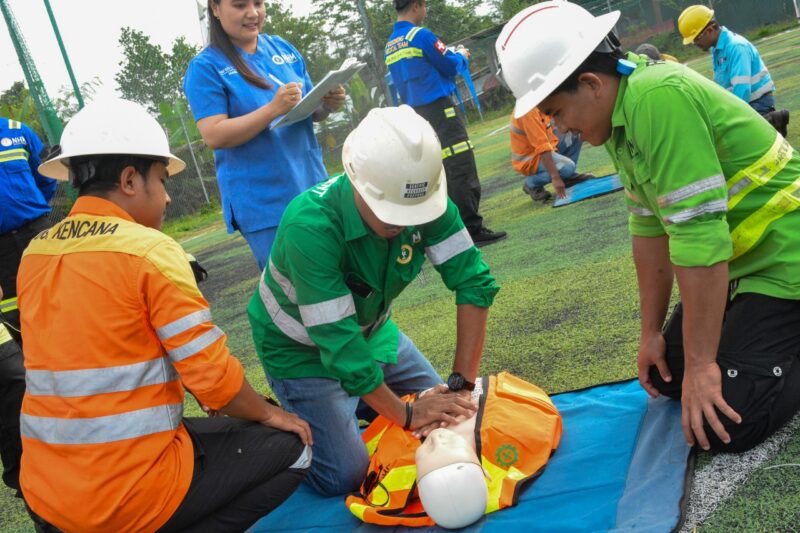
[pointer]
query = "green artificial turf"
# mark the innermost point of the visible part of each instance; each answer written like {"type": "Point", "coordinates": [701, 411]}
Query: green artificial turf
{"type": "Point", "coordinates": [567, 314]}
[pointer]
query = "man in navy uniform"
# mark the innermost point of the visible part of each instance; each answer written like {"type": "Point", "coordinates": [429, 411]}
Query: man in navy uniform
{"type": "Point", "coordinates": [423, 69]}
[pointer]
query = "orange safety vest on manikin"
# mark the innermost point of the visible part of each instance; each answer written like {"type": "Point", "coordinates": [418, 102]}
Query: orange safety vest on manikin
{"type": "Point", "coordinates": [118, 328]}
{"type": "Point", "coordinates": [516, 431]}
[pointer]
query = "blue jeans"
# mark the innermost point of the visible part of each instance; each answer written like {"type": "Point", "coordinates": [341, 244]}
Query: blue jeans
{"type": "Point", "coordinates": [565, 158]}
{"type": "Point", "coordinates": [340, 458]}
{"type": "Point", "coordinates": [764, 105]}
{"type": "Point", "coordinates": [260, 242]}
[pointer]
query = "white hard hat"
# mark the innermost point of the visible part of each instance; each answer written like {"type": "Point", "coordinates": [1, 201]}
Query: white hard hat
{"type": "Point", "coordinates": [542, 45]}
{"type": "Point", "coordinates": [450, 479]}
{"type": "Point", "coordinates": [111, 127]}
{"type": "Point", "coordinates": [394, 160]}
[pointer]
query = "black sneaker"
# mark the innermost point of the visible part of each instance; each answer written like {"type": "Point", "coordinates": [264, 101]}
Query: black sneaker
{"type": "Point", "coordinates": [779, 120]}
{"type": "Point", "coordinates": [485, 236]}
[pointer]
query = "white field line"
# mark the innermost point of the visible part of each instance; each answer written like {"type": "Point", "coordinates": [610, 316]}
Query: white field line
{"type": "Point", "coordinates": [718, 480]}
{"type": "Point", "coordinates": [498, 130]}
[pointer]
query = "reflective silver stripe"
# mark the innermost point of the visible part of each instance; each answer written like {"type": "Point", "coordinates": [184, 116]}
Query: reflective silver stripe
{"type": "Point", "coordinates": [641, 211]}
{"type": "Point", "coordinates": [282, 320]}
{"type": "Point", "coordinates": [762, 91]}
{"type": "Point", "coordinates": [284, 283]}
{"type": "Point", "coordinates": [740, 80]}
{"type": "Point", "coordinates": [102, 429]}
{"type": "Point", "coordinates": [184, 324]}
{"type": "Point", "coordinates": [328, 311]}
{"type": "Point", "coordinates": [91, 381]}
{"type": "Point", "coordinates": [412, 33]}
{"type": "Point", "coordinates": [304, 461]}
{"type": "Point", "coordinates": [516, 130]}
{"type": "Point", "coordinates": [449, 248]}
{"type": "Point", "coordinates": [8, 305]}
{"type": "Point", "coordinates": [521, 158]}
{"type": "Point", "coordinates": [195, 345]}
{"type": "Point", "coordinates": [693, 189]}
{"type": "Point", "coordinates": [368, 329]}
{"type": "Point", "coordinates": [743, 183]}
{"type": "Point", "coordinates": [714, 206]}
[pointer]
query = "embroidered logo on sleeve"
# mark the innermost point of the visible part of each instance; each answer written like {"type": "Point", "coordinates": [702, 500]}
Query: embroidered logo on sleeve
{"type": "Point", "coordinates": [439, 45]}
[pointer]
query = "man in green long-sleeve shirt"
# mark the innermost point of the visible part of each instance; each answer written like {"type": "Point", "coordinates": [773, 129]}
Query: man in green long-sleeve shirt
{"type": "Point", "coordinates": [344, 251]}
{"type": "Point", "coordinates": [713, 193]}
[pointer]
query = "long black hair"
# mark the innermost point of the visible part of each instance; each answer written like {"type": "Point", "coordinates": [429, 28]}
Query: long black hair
{"type": "Point", "coordinates": [221, 40]}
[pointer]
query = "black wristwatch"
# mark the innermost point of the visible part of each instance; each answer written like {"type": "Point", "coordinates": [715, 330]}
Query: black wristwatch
{"type": "Point", "coordinates": [457, 382]}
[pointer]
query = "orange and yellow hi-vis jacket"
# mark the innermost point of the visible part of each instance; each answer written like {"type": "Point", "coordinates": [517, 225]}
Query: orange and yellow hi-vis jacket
{"type": "Point", "coordinates": [119, 328]}
{"type": "Point", "coordinates": [516, 431]}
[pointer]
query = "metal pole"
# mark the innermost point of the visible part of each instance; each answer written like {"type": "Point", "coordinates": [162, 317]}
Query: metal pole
{"type": "Point", "coordinates": [191, 150]}
{"type": "Point", "coordinates": [75, 87]}
{"type": "Point", "coordinates": [362, 11]}
{"type": "Point", "coordinates": [796, 10]}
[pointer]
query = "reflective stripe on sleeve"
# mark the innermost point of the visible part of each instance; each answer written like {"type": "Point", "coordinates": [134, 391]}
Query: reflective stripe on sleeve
{"type": "Point", "coordinates": [516, 130]}
{"type": "Point", "coordinates": [327, 312]}
{"type": "Point", "coordinates": [284, 283]}
{"type": "Point", "coordinates": [405, 53]}
{"type": "Point", "coordinates": [750, 230]}
{"type": "Point", "coordinates": [91, 381]}
{"type": "Point", "coordinates": [760, 172]}
{"type": "Point", "coordinates": [17, 154]}
{"type": "Point", "coordinates": [412, 33]}
{"type": "Point", "coordinates": [282, 320]}
{"type": "Point", "coordinates": [761, 91]}
{"type": "Point", "coordinates": [14, 124]}
{"type": "Point", "coordinates": [693, 189]}
{"type": "Point", "coordinates": [195, 345]}
{"type": "Point", "coordinates": [520, 157]}
{"type": "Point", "coordinates": [714, 206]}
{"type": "Point", "coordinates": [449, 248]}
{"type": "Point", "coordinates": [184, 324]}
{"type": "Point", "coordinates": [641, 211]}
{"type": "Point", "coordinates": [102, 429]}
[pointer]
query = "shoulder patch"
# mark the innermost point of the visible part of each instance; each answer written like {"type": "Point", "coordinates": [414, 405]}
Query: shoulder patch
{"type": "Point", "coordinates": [440, 46]}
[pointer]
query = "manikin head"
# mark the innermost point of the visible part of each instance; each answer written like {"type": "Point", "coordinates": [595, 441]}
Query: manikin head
{"type": "Point", "coordinates": [450, 479]}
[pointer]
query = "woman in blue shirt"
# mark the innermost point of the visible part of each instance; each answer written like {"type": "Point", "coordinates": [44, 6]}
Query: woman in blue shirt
{"type": "Point", "coordinates": [236, 87]}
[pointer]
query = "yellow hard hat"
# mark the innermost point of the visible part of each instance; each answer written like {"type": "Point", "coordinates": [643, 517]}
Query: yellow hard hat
{"type": "Point", "coordinates": [693, 20]}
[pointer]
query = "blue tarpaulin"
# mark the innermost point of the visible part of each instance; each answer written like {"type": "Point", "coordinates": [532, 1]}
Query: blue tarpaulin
{"type": "Point", "coordinates": [621, 466]}
{"type": "Point", "coordinates": [590, 189]}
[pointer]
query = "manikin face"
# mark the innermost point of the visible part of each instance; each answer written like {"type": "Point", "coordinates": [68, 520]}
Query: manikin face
{"type": "Point", "coordinates": [441, 448]}
{"type": "Point", "coordinates": [241, 19]}
{"type": "Point", "coordinates": [586, 111]}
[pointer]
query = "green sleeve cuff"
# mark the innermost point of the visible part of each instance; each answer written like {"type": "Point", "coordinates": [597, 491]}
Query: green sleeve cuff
{"type": "Point", "coordinates": [478, 296]}
{"type": "Point", "coordinates": [640, 226]}
{"type": "Point", "coordinates": [700, 244]}
{"type": "Point", "coordinates": [361, 385]}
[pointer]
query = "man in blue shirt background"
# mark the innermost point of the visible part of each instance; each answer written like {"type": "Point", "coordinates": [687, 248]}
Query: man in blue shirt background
{"type": "Point", "coordinates": [738, 67]}
{"type": "Point", "coordinates": [24, 197]}
{"type": "Point", "coordinates": [423, 70]}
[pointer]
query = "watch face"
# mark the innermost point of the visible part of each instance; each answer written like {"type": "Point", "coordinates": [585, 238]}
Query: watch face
{"type": "Point", "coordinates": [455, 382]}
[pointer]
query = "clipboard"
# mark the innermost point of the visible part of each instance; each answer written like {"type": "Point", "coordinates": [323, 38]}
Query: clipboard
{"type": "Point", "coordinates": [313, 99]}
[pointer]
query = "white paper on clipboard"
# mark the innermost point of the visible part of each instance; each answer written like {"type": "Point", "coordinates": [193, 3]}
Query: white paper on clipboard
{"type": "Point", "coordinates": [313, 99]}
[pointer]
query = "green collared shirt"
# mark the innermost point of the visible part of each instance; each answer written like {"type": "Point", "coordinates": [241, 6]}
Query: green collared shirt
{"type": "Point", "coordinates": [324, 302]}
{"type": "Point", "coordinates": [701, 166]}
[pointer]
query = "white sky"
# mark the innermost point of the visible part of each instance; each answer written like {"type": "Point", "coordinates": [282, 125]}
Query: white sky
{"type": "Point", "coordinates": [90, 30]}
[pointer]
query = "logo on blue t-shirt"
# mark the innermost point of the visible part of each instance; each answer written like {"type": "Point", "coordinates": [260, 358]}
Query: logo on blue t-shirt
{"type": "Point", "coordinates": [228, 71]}
{"type": "Point", "coordinates": [280, 59]}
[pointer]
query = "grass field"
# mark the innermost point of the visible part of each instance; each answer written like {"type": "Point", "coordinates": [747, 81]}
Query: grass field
{"type": "Point", "coordinates": [566, 317]}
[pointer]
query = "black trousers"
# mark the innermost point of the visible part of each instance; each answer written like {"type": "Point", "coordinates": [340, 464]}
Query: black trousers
{"type": "Point", "coordinates": [12, 388]}
{"type": "Point", "coordinates": [463, 184]}
{"type": "Point", "coordinates": [759, 356]}
{"type": "Point", "coordinates": [242, 471]}
{"type": "Point", "coordinates": [12, 369]}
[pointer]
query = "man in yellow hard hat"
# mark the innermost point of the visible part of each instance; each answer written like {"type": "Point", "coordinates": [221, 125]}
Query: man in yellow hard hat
{"type": "Point", "coordinates": [737, 64]}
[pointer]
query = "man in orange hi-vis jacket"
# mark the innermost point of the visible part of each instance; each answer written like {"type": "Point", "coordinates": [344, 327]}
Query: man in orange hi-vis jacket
{"type": "Point", "coordinates": [114, 328]}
